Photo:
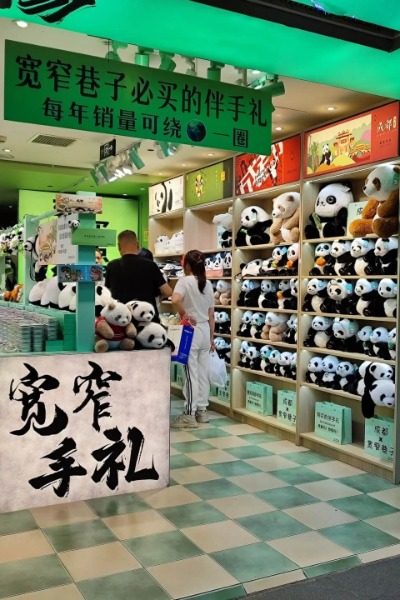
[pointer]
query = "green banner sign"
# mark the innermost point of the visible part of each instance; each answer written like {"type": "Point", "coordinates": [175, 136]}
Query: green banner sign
{"type": "Point", "coordinates": [63, 89]}
{"type": "Point", "coordinates": [94, 237]}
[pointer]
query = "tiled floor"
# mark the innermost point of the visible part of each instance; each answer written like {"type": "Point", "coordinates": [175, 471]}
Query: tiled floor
{"type": "Point", "coordinates": [244, 512]}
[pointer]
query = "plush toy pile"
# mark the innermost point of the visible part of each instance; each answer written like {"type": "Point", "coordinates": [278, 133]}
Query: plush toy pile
{"type": "Point", "coordinates": [223, 222]}
{"type": "Point", "coordinates": [274, 327]}
{"type": "Point", "coordinates": [169, 245]}
{"type": "Point", "coordinates": [219, 264]}
{"type": "Point", "coordinates": [11, 240]}
{"type": "Point", "coordinates": [268, 293]}
{"type": "Point", "coordinates": [267, 359]}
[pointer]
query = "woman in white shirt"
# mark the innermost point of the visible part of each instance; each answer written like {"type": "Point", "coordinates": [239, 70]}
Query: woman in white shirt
{"type": "Point", "coordinates": [193, 298]}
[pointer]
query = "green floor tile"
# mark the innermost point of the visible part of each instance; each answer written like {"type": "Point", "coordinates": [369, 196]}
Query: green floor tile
{"type": "Point", "coordinates": [135, 584]}
{"type": "Point", "coordinates": [358, 537]}
{"type": "Point", "coordinates": [222, 422]}
{"type": "Point", "coordinates": [253, 562]}
{"type": "Point", "coordinates": [209, 432]}
{"type": "Point", "coordinates": [24, 576]}
{"type": "Point", "coordinates": [366, 483]}
{"type": "Point", "coordinates": [79, 535]}
{"type": "Point", "coordinates": [232, 593]}
{"type": "Point", "coordinates": [230, 469]}
{"type": "Point", "coordinates": [259, 438]}
{"type": "Point", "coordinates": [197, 446]}
{"type": "Point", "coordinates": [272, 525]}
{"type": "Point", "coordinates": [162, 548]}
{"type": "Point", "coordinates": [343, 564]}
{"type": "Point", "coordinates": [306, 458]}
{"type": "Point", "coordinates": [363, 507]}
{"type": "Point", "coordinates": [248, 452]}
{"type": "Point", "coordinates": [117, 505]}
{"type": "Point", "coordinates": [220, 488]}
{"type": "Point", "coordinates": [190, 515]}
{"type": "Point", "coordinates": [180, 461]}
{"type": "Point", "coordinates": [297, 475]}
{"type": "Point", "coordinates": [16, 522]}
{"type": "Point", "coordinates": [286, 497]}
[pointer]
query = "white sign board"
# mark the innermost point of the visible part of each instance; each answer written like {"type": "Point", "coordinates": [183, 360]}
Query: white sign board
{"type": "Point", "coordinates": [66, 252]}
{"type": "Point", "coordinates": [68, 203]}
{"type": "Point", "coordinates": [47, 242]}
{"type": "Point", "coordinates": [166, 196]}
{"type": "Point", "coordinates": [88, 426]}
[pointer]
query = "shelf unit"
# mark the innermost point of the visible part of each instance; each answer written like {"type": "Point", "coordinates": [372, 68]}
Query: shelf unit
{"type": "Point", "coordinates": [201, 233]}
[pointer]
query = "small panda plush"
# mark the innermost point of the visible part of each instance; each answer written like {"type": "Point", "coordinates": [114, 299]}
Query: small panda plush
{"type": "Point", "coordinates": [344, 336]}
{"type": "Point", "coordinates": [102, 297]}
{"type": "Point", "coordinates": [255, 224]}
{"type": "Point", "coordinates": [265, 353]}
{"type": "Point", "coordinates": [323, 260]}
{"type": "Point", "coordinates": [250, 291]}
{"type": "Point", "coordinates": [330, 213]}
{"type": "Point", "coordinates": [67, 297]}
{"type": "Point", "coordinates": [114, 328]}
{"type": "Point", "coordinates": [257, 323]}
{"type": "Point", "coordinates": [254, 358]}
{"type": "Point", "coordinates": [273, 366]}
{"type": "Point", "coordinates": [251, 269]}
{"type": "Point", "coordinates": [279, 258]}
{"type": "Point", "coordinates": [268, 267]}
{"type": "Point", "coordinates": [369, 303]}
{"type": "Point", "coordinates": [319, 333]}
{"type": "Point", "coordinates": [316, 293]}
{"type": "Point", "coordinates": [283, 292]}
{"type": "Point", "coordinates": [347, 377]}
{"type": "Point", "coordinates": [329, 367]}
{"type": "Point", "coordinates": [293, 254]}
{"type": "Point", "coordinates": [222, 322]}
{"type": "Point", "coordinates": [142, 312]}
{"type": "Point", "coordinates": [152, 336]}
{"type": "Point", "coordinates": [227, 263]}
{"type": "Point", "coordinates": [290, 335]}
{"type": "Point", "coordinates": [380, 343]}
{"type": "Point", "coordinates": [314, 370]}
{"type": "Point", "coordinates": [386, 255]}
{"type": "Point", "coordinates": [364, 337]}
{"type": "Point", "coordinates": [340, 298]}
{"type": "Point", "coordinates": [267, 297]}
{"type": "Point", "coordinates": [223, 349]}
{"type": "Point", "coordinates": [387, 290]}
{"type": "Point", "coordinates": [344, 263]}
{"type": "Point", "coordinates": [363, 251]}
{"type": "Point", "coordinates": [284, 365]}
{"type": "Point", "coordinates": [243, 360]}
{"type": "Point", "coordinates": [392, 343]}
{"type": "Point", "coordinates": [244, 329]}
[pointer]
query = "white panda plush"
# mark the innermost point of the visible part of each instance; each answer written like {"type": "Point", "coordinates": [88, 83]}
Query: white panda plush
{"type": "Point", "coordinates": [273, 366]}
{"type": "Point", "coordinates": [387, 290]}
{"type": "Point", "coordinates": [314, 370]}
{"type": "Point", "coordinates": [67, 296]}
{"type": "Point", "coordinates": [344, 336]}
{"type": "Point", "coordinates": [323, 260]}
{"type": "Point", "coordinates": [251, 269]}
{"type": "Point", "coordinates": [340, 298]}
{"type": "Point", "coordinates": [315, 295]}
{"type": "Point", "coordinates": [330, 213]}
{"type": "Point", "coordinates": [222, 322]}
{"type": "Point", "coordinates": [142, 312]}
{"type": "Point", "coordinates": [243, 360]}
{"type": "Point", "coordinates": [380, 343]}
{"type": "Point", "coordinates": [37, 291]}
{"type": "Point", "coordinates": [265, 353]}
{"type": "Point", "coordinates": [347, 377]}
{"type": "Point", "coordinates": [250, 291]}
{"type": "Point", "coordinates": [227, 262]}
{"type": "Point", "coordinates": [392, 343]}
{"type": "Point", "coordinates": [344, 263]}
{"type": "Point", "coordinates": [319, 333]}
{"type": "Point", "coordinates": [284, 364]}
{"type": "Point", "coordinates": [254, 358]}
{"type": "Point", "coordinates": [244, 329]}
{"type": "Point", "coordinates": [102, 298]}
{"type": "Point", "coordinates": [223, 349]}
{"type": "Point", "coordinates": [223, 222]}
{"type": "Point", "coordinates": [293, 255]}
{"type": "Point", "coordinates": [368, 303]}
{"type": "Point", "coordinates": [363, 251]}
{"type": "Point", "coordinates": [290, 335]}
{"type": "Point", "coordinates": [152, 337]}
{"type": "Point", "coordinates": [283, 292]}
{"type": "Point", "coordinates": [386, 250]}
{"type": "Point", "coordinates": [267, 297]}
{"type": "Point", "coordinates": [329, 367]}
{"type": "Point", "coordinates": [255, 223]}
{"type": "Point", "coordinates": [363, 336]}
{"type": "Point", "coordinates": [257, 322]}
{"type": "Point", "coordinates": [279, 257]}
{"type": "Point", "coordinates": [51, 293]}
{"type": "Point", "coordinates": [378, 388]}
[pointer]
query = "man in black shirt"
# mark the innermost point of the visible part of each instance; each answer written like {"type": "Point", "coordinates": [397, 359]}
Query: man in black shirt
{"type": "Point", "coordinates": [132, 277]}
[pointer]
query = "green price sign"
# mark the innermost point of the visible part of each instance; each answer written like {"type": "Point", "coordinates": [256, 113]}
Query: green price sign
{"type": "Point", "coordinates": [94, 237]}
{"type": "Point", "coordinates": [64, 89]}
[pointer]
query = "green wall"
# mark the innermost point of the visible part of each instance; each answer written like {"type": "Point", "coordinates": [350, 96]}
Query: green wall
{"type": "Point", "coordinates": [143, 227]}
{"type": "Point", "coordinates": [122, 213]}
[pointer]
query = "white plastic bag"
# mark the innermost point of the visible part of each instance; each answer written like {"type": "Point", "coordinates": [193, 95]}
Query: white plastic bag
{"type": "Point", "coordinates": [217, 374]}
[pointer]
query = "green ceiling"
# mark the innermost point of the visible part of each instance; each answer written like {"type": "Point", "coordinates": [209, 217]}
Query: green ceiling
{"type": "Point", "coordinates": [193, 29]}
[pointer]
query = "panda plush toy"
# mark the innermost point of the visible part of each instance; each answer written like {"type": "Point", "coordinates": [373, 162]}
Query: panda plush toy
{"type": "Point", "coordinates": [142, 312]}
{"type": "Point", "coordinates": [329, 218]}
{"type": "Point", "coordinates": [329, 367]}
{"type": "Point", "coordinates": [285, 365]}
{"type": "Point", "coordinates": [344, 262]}
{"type": "Point", "coordinates": [386, 255]}
{"type": "Point", "coordinates": [364, 338]}
{"type": "Point", "coordinates": [251, 269]}
{"type": "Point", "coordinates": [379, 339]}
{"type": "Point", "coordinates": [37, 291]}
{"type": "Point", "coordinates": [67, 297]}
{"type": "Point", "coordinates": [315, 296]}
{"type": "Point", "coordinates": [347, 374]}
{"type": "Point", "coordinates": [265, 353]}
{"type": "Point", "coordinates": [340, 298]}
{"type": "Point", "coordinates": [254, 357]}
{"type": "Point", "coordinates": [363, 253]}
{"type": "Point", "coordinates": [222, 322]}
{"type": "Point", "coordinates": [267, 297]}
{"type": "Point", "coordinates": [290, 335]}
{"type": "Point", "coordinates": [319, 333]}
{"type": "Point", "coordinates": [378, 388]}
{"type": "Point", "coordinates": [273, 367]}
{"type": "Point", "coordinates": [102, 298]}
{"type": "Point", "coordinates": [287, 294]}
{"type": "Point", "coordinates": [249, 293]}
{"type": "Point", "coordinates": [387, 290]}
{"type": "Point", "coordinates": [243, 360]}
{"type": "Point", "coordinates": [323, 260]}
{"type": "Point", "coordinates": [244, 329]}
{"type": "Point", "coordinates": [257, 323]}
{"type": "Point", "coordinates": [344, 336]}
{"type": "Point", "coordinates": [283, 292]}
{"type": "Point", "coordinates": [255, 223]}
{"type": "Point", "coordinates": [279, 261]}
{"type": "Point", "coordinates": [223, 349]}
{"type": "Point", "coordinates": [152, 336]}
{"type": "Point", "coordinates": [268, 267]}
{"type": "Point", "coordinates": [275, 326]}
{"type": "Point", "coordinates": [369, 303]}
{"type": "Point", "coordinates": [314, 370]}
{"type": "Point", "coordinates": [223, 221]}
{"type": "Point", "coordinates": [293, 255]}
{"type": "Point", "coordinates": [392, 343]}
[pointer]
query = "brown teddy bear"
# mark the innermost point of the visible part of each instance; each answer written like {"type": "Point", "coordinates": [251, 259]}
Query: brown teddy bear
{"type": "Point", "coordinates": [114, 328]}
{"type": "Point", "coordinates": [285, 215]}
{"type": "Point", "coordinates": [380, 214]}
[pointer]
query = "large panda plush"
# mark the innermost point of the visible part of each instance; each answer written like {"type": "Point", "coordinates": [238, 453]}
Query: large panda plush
{"type": "Point", "coordinates": [142, 312]}
{"type": "Point", "coordinates": [152, 336]}
{"type": "Point", "coordinates": [386, 255]}
{"type": "Point", "coordinates": [329, 218]}
{"type": "Point", "coordinates": [377, 387]}
{"type": "Point", "coordinates": [320, 332]}
{"type": "Point", "coordinates": [255, 223]}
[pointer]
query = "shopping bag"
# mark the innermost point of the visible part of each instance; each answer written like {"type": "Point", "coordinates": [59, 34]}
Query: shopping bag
{"type": "Point", "coordinates": [379, 437]}
{"type": "Point", "coordinates": [181, 336]}
{"type": "Point", "coordinates": [333, 422]}
{"type": "Point", "coordinates": [216, 370]}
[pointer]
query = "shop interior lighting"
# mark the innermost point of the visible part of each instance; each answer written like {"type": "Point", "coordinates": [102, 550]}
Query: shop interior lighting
{"type": "Point", "coordinates": [166, 149]}
{"type": "Point", "coordinates": [116, 167]}
{"type": "Point", "coordinates": [270, 83]}
{"type": "Point", "coordinates": [214, 71]}
{"type": "Point", "coordinates": [191, 63]}
{"type": "Point", "coordinates": [167, 63]}
{"type": "Point", "coordinates": [22, 24]}
{"type": "Point", "coordinates": [134, 156]}
{"type": "Point", "coordinates": [242, 79]}
{"type": "Point", "coordinates": [142, 56]}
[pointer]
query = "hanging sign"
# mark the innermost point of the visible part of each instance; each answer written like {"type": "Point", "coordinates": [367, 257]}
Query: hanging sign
{"type": "Point", "coordinates": [66, 251]}
{"type": "Point", "coordinates": [108, 149]}
{"type": "Point", "coordinates": [64, 89]}
{"type": "Point", "coordinates": [209, 184]}
{"type": "Point", "coordinates": [67, 203]}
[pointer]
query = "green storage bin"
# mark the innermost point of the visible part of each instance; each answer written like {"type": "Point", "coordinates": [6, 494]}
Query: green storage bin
{"type": "Point", "coordinates": [259, 398]}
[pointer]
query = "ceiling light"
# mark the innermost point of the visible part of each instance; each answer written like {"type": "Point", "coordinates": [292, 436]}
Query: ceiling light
{"type": "Point", "coordinates": [22, 24]}
{"type": "Point", "coordinates": [142, 189]}
{"type": "Point", "coordinates": [278, 128]}
{"type": "Point", "coordinates": [124, 194]}
{"type": "Point", "coordinates": [255, 72]}
{"type": "Point", "coordinates": [7, 150]}
{"type": "Point", "coordinates": [142, 56]}
{"type": "Point", "coordinates": [211, 154]}
{"type": "Point", "coordinates": [331, 108]}
{"type": "Point", "coordinates": [166, 149]}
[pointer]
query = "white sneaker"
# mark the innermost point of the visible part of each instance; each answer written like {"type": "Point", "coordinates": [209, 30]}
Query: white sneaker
{"type": "Point", "coordinates": [202, 416]}
{"type": "Point", "coordinates": [184, 422]}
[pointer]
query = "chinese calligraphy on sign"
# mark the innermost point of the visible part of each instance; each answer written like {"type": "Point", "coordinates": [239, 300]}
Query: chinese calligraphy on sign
{"type": "Point", "coordinates": [63, 89]}
{"type": "Point", "coordinates": [48, 10]}
{"type": "Point", "coordinates": [82, 430]}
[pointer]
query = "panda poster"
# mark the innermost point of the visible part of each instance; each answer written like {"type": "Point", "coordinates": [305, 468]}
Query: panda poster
{"type": "Point", "coordinates": [166, 196]}
{"type": "Point", "coordinates": [91, 426]}
{"type": "Point", "coordinates": [255, 172]}
{"type": "Point", "coordinates": [365, 138]}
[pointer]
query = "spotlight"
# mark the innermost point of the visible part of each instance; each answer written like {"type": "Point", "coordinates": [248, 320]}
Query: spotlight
{"type": "Point", "coordinates": [21, 24]}
{"type": "Point", "coordinates": [167, 64]}
{"type": "Point", "coordinates": [214, 71]}
{"type": "Point", "coordinates": [166, 149]}
{"type": "Point", "coordinates": [142, 56]}
{"type": "Point", "coordinates": [134, 156]}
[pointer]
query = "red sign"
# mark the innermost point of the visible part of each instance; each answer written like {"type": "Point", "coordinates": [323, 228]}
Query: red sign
{"type": "Point", "coordinates": [365, 138]}
{"type": "Point", "coordinates": [254, 172]}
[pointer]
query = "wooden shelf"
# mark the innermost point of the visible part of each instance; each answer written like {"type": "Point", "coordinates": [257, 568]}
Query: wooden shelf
{"type": "Point", "coordinates": [273, 277]}
{"type": "Point", "coordinates": [338, 237]}
{"type": "Point", "coordinates": [223, 335]}
{"type": "Point", "coordinates": [266, 375]}
{"type": "Point", "coordinates": [343, 316]}
{"type": "Point", "coordinates": [218, 206]}
{"type": "Point", "coordinates": [267, 419]}
{"type": "Point", "coordinates": [352, 450]}
{"type": "Point", "coordinates": [174, 214]}
{"type": "Point", "coordinates": [218, 278]}
{"type": "Point", "coordinates": [262, 246]}
{"type": "Point", "coordinates": [265, 342]}
{"type": "Point", "coordinates": [352, 355]}
{"type": "Point", "coordinates": [274, 310]}
{"type": "Point", "coordinates": [216, 250]}
{"type": "Point", "coordinates": [348, 276]}
{"type": "Point", "coordinates": [162, 256]}
{"type": "Point", "coordinates": [340, 393]}
{"type": "Point", "coordinates": [228, 306]}
{"type": "Point", "coordinates": [270, 192]}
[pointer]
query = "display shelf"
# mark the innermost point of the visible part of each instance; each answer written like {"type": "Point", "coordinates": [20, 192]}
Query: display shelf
{"type": "Point", "coordinates": [169, 255]}
{"type": "Point", "coordinates": [354, 355]}
{"type": "Point", "coordinates": [262, 246]}
{"type": "Point", "coordinates": [266, 375]}
{"type": "Point", "coordinates": [270, 193]}
{"type": "Point", "coordinates": [228, 306]}
{"type": "Point", "coordinates": [216, 249]}
{"type": "Point", "coordinates": [356, 277]}
{"type": "Point", "coordinates": [218, 278]}
{"type": "Point", "coordinates": [338, 237]}
{"type": "Point", "coordinates": [354, 317]}
{"type": "Point", "coordinates": [174, 214]}
{"type": "Point", "coordinates": [227, 336]}
{"type": "Point", "coordinates": [215, 207]}
{"type": "Point", "coordinates": [271, 420]}
{"type": "Point", "coordinates": [219, 406]}
{"type": "Point", "coordinates": [264, 342]}
{"type": "Point", "coordinates": [274, 310]}
{"type": "Point", "coordinates": [340, 393]}
{"type": "Point", "coordinates": [279, 277]}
